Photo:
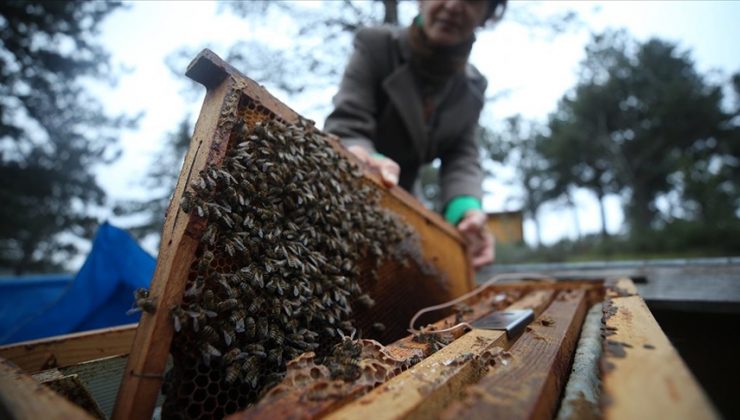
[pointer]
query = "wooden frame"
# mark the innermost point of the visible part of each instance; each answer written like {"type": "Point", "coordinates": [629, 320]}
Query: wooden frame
{"type": "Point", "coordinates": [21, 397]}
{"type": "Point", "coordinates": [441, 245]}
{"type": "Point", "coordinates": [642, 375]}
{"type": "Point", "coordinates": [69, 349]}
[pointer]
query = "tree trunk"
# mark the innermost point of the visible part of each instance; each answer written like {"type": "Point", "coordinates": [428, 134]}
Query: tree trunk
{"type": "Point", "coordinates": [391, 12]}
{"type": "Point", "coordinates": [537, 228]}
{"type": "Point", "coordinates": [638, 210]}
{"type": "Point", "coordinates": [602, 212]}
{"type": "Point", "coordinates": [574, 210]}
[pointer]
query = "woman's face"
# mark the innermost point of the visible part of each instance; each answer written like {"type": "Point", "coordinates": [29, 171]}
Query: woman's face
{"type": "Point", "coordinates": [451, 22]}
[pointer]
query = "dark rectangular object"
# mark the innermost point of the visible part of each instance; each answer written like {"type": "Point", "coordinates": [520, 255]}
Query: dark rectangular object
{"type": "Point", "coordinates": [510, 321]}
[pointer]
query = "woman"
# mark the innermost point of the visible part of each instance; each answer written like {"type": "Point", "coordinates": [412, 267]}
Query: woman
{"type": "Point", "coordinates": [409, 96]}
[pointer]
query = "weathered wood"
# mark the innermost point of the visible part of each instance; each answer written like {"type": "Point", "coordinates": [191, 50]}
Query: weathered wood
{"type": "Point", "coordinates": [643, 377]}
{"type": "Point", "coordinates": [506, 226]}
{"type": "Point", "coordinates": [71, 388]}
{"type": "Point", "coordinates": [526, 383]}
{"type": "Point", "coordinates": [295, 403]}
{"type": "Point", "coordinates": [70, 349]}
{"type": "Point", "coordinates": [399, 291]}
{"type": "Point", "coordinates": [21, 397]}
{"type": "Point", "coordinates": [144, 371]}
{"type": "Point", "coordinates": [429, 386]}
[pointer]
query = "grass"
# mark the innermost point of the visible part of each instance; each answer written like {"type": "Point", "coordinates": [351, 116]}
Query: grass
{"type": "Point", "coordinates": [677, 240]}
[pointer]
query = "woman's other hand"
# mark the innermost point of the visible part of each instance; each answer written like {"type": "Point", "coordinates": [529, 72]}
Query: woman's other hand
{"type": "Point", "coordinates": [479, 239]}
{"type": "Point", "coordinates": [387, 168]}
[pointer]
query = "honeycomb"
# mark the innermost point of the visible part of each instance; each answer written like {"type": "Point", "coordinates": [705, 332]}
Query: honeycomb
{"type": "Point", "coordinates": [288, 227]}
{"type": "Point", "coordinates": [351, 364]}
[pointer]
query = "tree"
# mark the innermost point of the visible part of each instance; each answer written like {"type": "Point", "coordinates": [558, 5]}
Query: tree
{"type": "Point", "coordinates": [517, 146]}
{"type": "Point", "coordinates": [643, 122]}
{"type": "Point", "coordinates": [308, 69]}
{"type": "Point", "coordinates": [52, 132]}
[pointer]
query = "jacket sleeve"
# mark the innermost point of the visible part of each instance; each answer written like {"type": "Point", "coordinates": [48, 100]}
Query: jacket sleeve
{"type": "Point", "coordinates": [461, 173]}
{"type": "Point", "coordinates": [355, 105]}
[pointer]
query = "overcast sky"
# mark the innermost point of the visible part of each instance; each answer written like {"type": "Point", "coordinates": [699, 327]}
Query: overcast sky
{"type": "Point", "coordinates": [535, 70]}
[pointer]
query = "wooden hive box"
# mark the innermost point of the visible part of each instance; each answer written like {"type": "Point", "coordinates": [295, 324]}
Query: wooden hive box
{"type": "Point", "coordinates": [479, 373]}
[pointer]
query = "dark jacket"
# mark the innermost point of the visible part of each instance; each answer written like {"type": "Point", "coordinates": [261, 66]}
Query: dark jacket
{"type": "Point", "coordinates": [379, 106]}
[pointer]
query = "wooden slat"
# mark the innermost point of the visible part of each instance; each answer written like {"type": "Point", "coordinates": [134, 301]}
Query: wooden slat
{"type": "Point", "coordinates": [144, 371]}
{"type": "Point", "coordinates": [71, 388]}
{"type": "Point", "coordinates": [442, 247]}
{"type": "Point", "coordinates": [295, 403]}
{"type": "Point", "coordinates": [21, 397]}
{"type": "Point", "coordinates": [643, 377]}
{"type": "Point", "coordinates": [527, 383]}
{"type": "Point", "coordinates": [70, 349]}
{"type": "Point", "coordinates": [429, 386]}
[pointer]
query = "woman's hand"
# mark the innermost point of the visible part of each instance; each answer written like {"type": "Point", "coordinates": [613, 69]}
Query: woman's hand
{"type": "Point", "coordinates": [387, 168]}
{"type": "Point", "coordinates": [479, 239]}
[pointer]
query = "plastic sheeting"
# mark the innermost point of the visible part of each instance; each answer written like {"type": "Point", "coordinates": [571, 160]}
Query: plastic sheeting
{"type": "Point", "coordinates": [99, 296]}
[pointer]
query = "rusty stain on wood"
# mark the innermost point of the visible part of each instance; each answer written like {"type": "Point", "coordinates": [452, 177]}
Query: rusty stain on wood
{"type": "Point", "coordinates": [297, 404]}
{"type": "Point", "coordinates": [424, 389]}
{"type": "Point", "coordinates": [642, 374]}
{"type": "Point", "coordinates": [529, 382]}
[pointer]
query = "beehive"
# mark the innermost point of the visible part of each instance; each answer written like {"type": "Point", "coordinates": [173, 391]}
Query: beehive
{"type": "Point", "coordinates": [624, 367]}
{"type": "Point", "coordinates": [291, 229]}
{"type": "Point", "coordinates": [259, 183]}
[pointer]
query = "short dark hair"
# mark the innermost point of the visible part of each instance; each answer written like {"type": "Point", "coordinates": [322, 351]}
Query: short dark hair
{"type": "Point", "coordinates": [496, 9]}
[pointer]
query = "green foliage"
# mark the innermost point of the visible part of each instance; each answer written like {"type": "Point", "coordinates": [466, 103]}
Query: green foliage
{"type": "Point", "coordinates": [642, 122]}
{"type": "Point", "coordinates": [517, 146]}
{"type": "Point", "coordinates": [52, 132]}
{"type": "Point", "coordinates": [677, 239]}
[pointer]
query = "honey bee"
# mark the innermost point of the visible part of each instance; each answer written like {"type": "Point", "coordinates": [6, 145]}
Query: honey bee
{"type": "Point", "coordinates": [196, 288]}
{"type": "Point", "coordinates": [233, 355]}
{"type": "Point", "coordinates": [186, 203]}
{"type": "Point", "coordinates": [207, 333]}
{"type": "Point", "coordinates": [228, 305]}
{"type": "Point", "coordinates": [142, 302]}
{"type": "Point", "coordinates": [275, 356]}
{"type": "Point", "coordinates": [250, 327]}
{"type": "Point", "coordinates": [178, 317]}
{"type": "Point", "coordinates": [237, 318]}
{"type": "Point", "coordinates": [228, 333]}
{"type": "Point", "coordinates": [262, 328]}
{"type": "Point", "coordinates": [208, 352]}
{"type": "Point", "coordinates": [232, 373]}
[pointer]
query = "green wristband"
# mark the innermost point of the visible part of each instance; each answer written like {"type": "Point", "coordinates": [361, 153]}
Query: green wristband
{"type": "Point", "coordinates": [457, 207]}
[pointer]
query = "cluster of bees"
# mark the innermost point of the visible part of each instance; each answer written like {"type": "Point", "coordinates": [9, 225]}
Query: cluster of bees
{"type": "Point", "coordinates": [289, 226]}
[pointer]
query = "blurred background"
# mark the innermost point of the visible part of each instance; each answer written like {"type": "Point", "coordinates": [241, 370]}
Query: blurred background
{"type": "Point", "coordinates": [611, 126]}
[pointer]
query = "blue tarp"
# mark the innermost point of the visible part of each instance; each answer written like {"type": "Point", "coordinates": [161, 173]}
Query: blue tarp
{"type": "Point", "coordinates": [98, 297]}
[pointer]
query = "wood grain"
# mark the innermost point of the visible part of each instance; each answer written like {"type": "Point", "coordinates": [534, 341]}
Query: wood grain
{"type": "Point", "coordinates": [527, 383]}
{"type": "Point", "coordinates": [70, 349]}
{"type": "Point", "coordinates": [144, 372]}
{"type": "Point", "coordinates": [21, 397]}
{"type": "Point", "coordinates": [430, 385]}
{"type": "Point", "coordinates": [296, 405]}
{"type": "Point", "coordinates": [643, 377]}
